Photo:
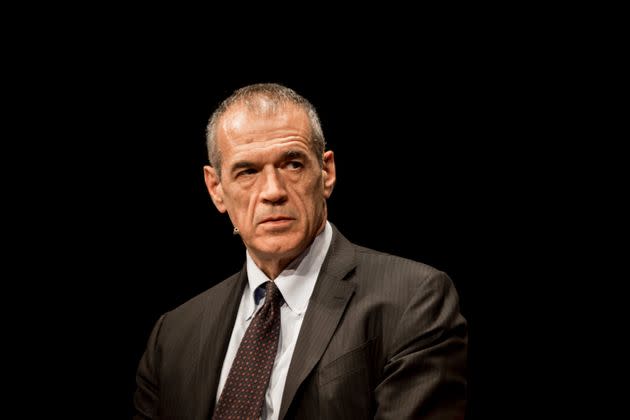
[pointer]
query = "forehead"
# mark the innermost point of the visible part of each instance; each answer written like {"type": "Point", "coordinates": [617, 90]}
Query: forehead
{"type": "Point", "coordinates": [242, 125]}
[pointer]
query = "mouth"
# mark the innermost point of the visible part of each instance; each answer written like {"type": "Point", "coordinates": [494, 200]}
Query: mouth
{"type": "Point", "coordinates": [275, 220]}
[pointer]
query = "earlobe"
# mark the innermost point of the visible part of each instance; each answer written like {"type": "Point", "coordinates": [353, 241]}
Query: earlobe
{"type": "Point", "coordinates": [213, 184]}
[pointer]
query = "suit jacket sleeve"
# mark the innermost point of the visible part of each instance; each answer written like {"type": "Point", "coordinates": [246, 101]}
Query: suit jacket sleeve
{"type": "Point", "coordinates": [425, 370]}
{"type": "Point", "coordinates": [146, 398]}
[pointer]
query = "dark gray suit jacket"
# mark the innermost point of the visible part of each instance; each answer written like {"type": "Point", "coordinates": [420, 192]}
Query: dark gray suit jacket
{"type": "Point", "coordinates": [382, 338]}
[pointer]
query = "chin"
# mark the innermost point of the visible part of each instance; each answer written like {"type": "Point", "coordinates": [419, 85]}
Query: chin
{"type": "Point", "coordinates": [280, 245]}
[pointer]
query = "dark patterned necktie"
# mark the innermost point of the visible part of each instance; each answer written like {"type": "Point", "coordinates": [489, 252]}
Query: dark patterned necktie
{"type": "Point", "coordinates": [244, 392]}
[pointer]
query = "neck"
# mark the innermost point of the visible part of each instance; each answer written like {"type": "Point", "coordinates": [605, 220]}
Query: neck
{"type": "Point", "coordinates": [273, 265]}
{"type": "Point", "coordinates": [272, 268]}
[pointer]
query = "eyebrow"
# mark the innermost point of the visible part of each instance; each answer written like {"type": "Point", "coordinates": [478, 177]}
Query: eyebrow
{"type": "Point", "coordinates": [241, 165]}
{"type": "Point", "coordinates": [293, 154]}
{"type": "Point", "coordinates": [288, 155]}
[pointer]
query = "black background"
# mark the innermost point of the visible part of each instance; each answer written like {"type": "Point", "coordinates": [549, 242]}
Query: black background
{"type": "Point", "coordinates": [444, 147]}
{"type": "Point", "coordinates": [419, 175]}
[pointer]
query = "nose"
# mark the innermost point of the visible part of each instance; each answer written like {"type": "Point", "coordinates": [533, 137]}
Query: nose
{"type": "Point", "coordinates": [273, 189]}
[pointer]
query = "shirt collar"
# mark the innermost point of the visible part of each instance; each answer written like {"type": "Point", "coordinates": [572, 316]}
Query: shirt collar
{"type": "Point", "coordinates": [296, 281]}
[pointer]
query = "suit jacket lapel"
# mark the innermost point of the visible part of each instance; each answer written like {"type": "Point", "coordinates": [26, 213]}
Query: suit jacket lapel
{"type": "Point", "coordinates": [328, 302]}
{"type": "Point", "coordinates": [215, 331]}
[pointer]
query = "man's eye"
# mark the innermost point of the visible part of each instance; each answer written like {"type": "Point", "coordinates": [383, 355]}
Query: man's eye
{"type": "Point", "coordinates": [249, 171]}
{"type": "Point", "coordinates": [294, 164]}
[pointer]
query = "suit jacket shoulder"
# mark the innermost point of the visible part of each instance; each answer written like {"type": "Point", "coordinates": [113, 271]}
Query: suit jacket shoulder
{"type": "Point", "coordinates": [196, 307]}
{"type": "Point", "coordinates": [179, 372]}
{"type": "Point", "coordinates": [382, 338]}
{"type": "Point", "coordinates": [404, 268]}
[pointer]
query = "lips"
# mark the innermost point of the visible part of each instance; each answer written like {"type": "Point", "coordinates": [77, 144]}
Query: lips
{"type": "Point", "coordinates": [275, 219]}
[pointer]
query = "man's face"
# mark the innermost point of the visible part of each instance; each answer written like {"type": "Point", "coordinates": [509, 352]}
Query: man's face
{"type": "Point", "coordinates": [272, 185]}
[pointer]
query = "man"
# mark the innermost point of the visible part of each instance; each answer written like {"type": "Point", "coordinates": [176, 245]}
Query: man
{"type": "Point", "coordinates": [360, 334]}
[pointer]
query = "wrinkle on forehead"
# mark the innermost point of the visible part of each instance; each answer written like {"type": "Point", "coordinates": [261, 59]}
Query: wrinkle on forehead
{"type": "Point", "coordinates": [280, 143]}
{"type": "Point", "coordinates": [244, 125]}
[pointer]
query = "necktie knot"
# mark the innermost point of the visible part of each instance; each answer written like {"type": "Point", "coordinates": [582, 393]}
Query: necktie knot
{"type": "Point", "coordinates": [272, 294]}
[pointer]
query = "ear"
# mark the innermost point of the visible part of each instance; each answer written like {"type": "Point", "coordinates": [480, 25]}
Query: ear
{"type": "Point", "coordinates": [329, 173]}
{"type": "Point", "coordinates": [213, 184]}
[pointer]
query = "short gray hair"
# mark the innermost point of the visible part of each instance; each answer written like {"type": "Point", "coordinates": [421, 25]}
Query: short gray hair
{"type": "Point", "coordinates": [263, 98]}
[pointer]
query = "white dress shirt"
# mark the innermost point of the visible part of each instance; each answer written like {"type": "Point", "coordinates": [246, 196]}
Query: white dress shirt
{"type": "Point", "coordinates": [296, 283]}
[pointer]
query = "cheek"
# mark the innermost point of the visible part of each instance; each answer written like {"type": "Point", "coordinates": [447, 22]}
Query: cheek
{"type": "Point", "coordinates": [249, 206]}
{"type": "Point", "coordinates": [241, 205]}
{"type": "Point", "coordinates": [311, 197]}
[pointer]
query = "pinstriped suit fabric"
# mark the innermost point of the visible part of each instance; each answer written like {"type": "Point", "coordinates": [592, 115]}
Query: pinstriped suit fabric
{"type": "Point", "coordinates": [383, 338]}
